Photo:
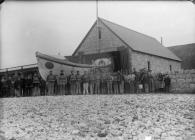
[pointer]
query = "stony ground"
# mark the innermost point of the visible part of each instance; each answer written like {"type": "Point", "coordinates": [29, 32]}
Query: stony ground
{"type": "Point", "coordinates": [91, 117]}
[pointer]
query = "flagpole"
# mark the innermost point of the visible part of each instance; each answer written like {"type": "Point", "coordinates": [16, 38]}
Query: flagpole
{"type": "Point", "coordinates": [98, 46]}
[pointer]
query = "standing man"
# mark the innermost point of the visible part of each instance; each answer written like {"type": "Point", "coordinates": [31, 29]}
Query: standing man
{"type": "Point", "coordinates": [9, 86]}
{"type": "Point", "coordinates": [109, 80]}
{"type": "Point", "coordinates": [3, 86]}
{"type": "Point", "coordinates": [91, 82]}
{"type": "Point", "coordinates": [115, 84]}
{"type": "Point", "coordinates": [72, 83]}
{"type": "Point", "coordinates": [78, 83]}
{"type": "Point", "coordinates": [36, 85]}
{"type": "Point", "coordinates": [29, 85]}
{"type": "Point", "coordinates": [42, 87]}
{"type": "Point", "coordinates": [85, 79]}
{"type": "Point", "coordinates": [50, 83]}
{"type": "Point", "coordinates": [22, 85]}
{"type": "Point", "coordinates": [103, 83]}
{"type": "Point", "coordinates": [136, 80]}
{"type": "Point", "coordinates": [97, 82]}
{"type": "Point", "coordinates": [144, 79]}
{"type": "Point", "coordinates": [121, 82]}
{"type": "Point", "coordinates": [62, 81]}
{"type": "Point", "coordinates": [167, 81]}
{"type": "Point", "coordinates": [17, 86]}
{"type": "Point", "coordinates": [151, 81]}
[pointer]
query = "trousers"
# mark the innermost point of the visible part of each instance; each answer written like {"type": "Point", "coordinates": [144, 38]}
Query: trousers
{"type": "Point", "coordinates": [50, 88]}
{"type": "Point", "coordinates": [85, 88]}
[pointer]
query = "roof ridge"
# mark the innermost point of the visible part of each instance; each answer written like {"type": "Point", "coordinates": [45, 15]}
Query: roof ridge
{"type": "Point", "coordinates": [143, 35]}
{"type": "Point", "coordinates": [128, 28]}
{"type": "Point", "coordinates": [181, 45]}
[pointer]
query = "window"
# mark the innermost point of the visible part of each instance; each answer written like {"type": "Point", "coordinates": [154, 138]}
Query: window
{"type": "Point", "coordinates": [170, 67]}
{"type": "Point", "coordinates": [148, 65]}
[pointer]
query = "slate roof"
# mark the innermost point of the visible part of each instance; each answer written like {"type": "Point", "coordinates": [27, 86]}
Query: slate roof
{"type": "Point", "coordinates": [136, 41]}
{"type": "Point", "coordinates": [139, 42]}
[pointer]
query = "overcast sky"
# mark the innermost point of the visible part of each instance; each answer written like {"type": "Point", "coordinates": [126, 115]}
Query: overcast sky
{"type": "Point", "coordinates": [53, 27]}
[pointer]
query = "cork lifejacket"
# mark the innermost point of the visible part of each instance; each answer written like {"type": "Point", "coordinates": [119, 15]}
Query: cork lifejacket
{"type": "Point", "coordinates": [51, 78]}
{"type": "Point", "coordinates": [72, 78]}
{"type": "Point", "coordinates": [62, 80]}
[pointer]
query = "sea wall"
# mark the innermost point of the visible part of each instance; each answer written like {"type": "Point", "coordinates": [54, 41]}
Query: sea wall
{"type": "Point", "coordinates": [183, 81]}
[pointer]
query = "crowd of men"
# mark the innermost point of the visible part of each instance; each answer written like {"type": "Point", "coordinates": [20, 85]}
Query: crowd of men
{"type": "Point", "coordinates": [91, 82]}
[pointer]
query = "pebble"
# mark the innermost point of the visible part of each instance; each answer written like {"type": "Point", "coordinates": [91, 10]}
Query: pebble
{"type": "Point", "coordinates": [99, 117]}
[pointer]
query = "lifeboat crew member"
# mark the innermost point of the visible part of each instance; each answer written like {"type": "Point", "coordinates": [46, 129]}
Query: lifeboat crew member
{"type": "Point", "coordinates": [50, 83]}
{"type": "Point", "coordinates": [36, 85]}
{"type": "Point", "coordinates": [85, 80]}
{"type": "Point", "coordinates": [109, 80]}
{"type": "Point", "coordinates": [62, 81]}
{"type": "Point", "coordinates": [78, 83]}
{"type": "Point", "coordinates": [91, 81]}
{"type": "Point", "coordinates": [72, 83]}
{"type": "Point", "coordinates": [97, 82]}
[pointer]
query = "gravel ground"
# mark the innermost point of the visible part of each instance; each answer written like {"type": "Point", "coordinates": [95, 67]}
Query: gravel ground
{"type": "Point", "coordinates": [91, 117]}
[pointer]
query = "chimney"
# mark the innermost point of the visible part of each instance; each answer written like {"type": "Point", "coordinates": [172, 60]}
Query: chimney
{"type": "Point", "coordinates": [161, 40]}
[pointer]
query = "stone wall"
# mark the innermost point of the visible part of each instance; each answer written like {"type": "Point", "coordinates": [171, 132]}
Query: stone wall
{"type": "Point", "coordinates": [157, 64]}
{"type": "Point", "coordinates": [183, 81]}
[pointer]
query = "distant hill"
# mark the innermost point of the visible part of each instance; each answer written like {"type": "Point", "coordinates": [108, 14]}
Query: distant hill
{"type": "Point", "coordinates": [186, 53]}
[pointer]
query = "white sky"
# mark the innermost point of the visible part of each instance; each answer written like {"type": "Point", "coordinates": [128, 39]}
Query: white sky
{"type": "Point", "coordinates": [53, 27]}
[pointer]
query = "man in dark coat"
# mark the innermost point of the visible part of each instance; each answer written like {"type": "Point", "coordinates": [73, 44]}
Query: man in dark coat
{"type": "Point", "coordinates": [28, 85]}
{"type": "Point", "coordinates": [167, 81]}
{"type": "Point", "coordinates": [136, 80]}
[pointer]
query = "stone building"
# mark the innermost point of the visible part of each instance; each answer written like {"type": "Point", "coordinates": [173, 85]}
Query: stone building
{"type": "Point", "coordinates": [127, 49]}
